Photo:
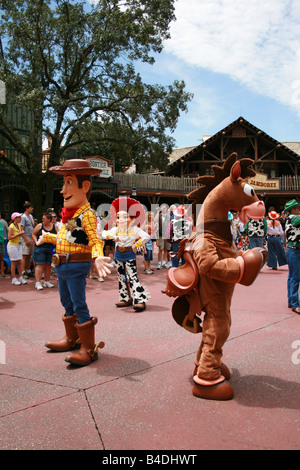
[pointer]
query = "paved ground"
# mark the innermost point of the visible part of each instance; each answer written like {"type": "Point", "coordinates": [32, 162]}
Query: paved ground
{"type": "Point", "coordinates": [138, 394]}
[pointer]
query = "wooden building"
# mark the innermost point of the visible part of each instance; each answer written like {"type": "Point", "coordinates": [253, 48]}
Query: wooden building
{"type": "Point", "coordinates": [277, 163]}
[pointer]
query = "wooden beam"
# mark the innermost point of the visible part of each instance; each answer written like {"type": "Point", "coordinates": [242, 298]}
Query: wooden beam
{"type": "Point", "coordinates": [277, 161]}
{"type": "Point", "coordinates": [256, 149]}
{"type": "Point", "coordinates": [222, 149]}
{"type": "Point", "coordinates": [251, 142]}
{"type": "Point", "coordinates": [263, 156]}
{"type": "Point", "coordinates": [212, 155]}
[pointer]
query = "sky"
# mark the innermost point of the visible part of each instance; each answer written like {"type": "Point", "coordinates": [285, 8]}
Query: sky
{"type": "Point", "coordinates": [238, 58]}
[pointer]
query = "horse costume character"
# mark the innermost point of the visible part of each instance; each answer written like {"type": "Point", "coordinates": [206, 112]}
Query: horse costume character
{"type": "Point", "coordinates": [205, 283]}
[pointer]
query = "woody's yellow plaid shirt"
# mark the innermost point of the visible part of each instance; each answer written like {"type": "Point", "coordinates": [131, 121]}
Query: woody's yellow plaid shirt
{"type": "Point", "coordinates": [89, 225]}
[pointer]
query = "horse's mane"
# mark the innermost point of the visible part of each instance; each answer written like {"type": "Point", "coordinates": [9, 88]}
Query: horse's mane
{"type": "Point", "coordinates": [209, 182]}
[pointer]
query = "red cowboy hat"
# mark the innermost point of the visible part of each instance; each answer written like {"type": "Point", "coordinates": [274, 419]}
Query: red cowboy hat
{"type": "Point", "coordinates": [129, 205]}
{"type": "Point", "coordinates": [273, 215]}
{"type": "Point", "coordinates": [75, 166]}
{"type": "Point", "coordinates": [179, 211]}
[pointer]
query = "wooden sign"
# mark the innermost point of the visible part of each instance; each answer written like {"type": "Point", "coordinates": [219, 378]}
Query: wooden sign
{"type": "Point", "coordinates": [102, 163]}
{"type": "Point", "coordinates": [261, 182]}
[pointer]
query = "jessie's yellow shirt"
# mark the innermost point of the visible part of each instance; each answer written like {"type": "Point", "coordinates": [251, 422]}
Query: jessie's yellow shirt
{"type": "Point", "coordinates": [67, 240]}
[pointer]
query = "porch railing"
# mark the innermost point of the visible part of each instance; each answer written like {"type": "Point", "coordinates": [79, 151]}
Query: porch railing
{"type": "Point", "coordinates": [184, 185]}
{"type": "Point", "coordinates": [155, 182]}
{"type": "Point", "coordinates": [290, 183]}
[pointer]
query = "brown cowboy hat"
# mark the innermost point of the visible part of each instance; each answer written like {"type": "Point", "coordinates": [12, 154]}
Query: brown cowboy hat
{"type": "Point", "coordinates": [75, 166]}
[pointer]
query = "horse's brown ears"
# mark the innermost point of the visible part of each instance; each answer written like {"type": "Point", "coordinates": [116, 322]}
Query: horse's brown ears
{"type": "Point", "coordinates": [235, 171]}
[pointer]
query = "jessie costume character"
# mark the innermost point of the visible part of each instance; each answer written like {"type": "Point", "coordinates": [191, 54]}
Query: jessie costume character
{"type": "Point", "coordinates": [214, 266]}
{"type": "Point", "coordinates": [128, 215]}
{"type": "Point", "coordinates": [77, 244]}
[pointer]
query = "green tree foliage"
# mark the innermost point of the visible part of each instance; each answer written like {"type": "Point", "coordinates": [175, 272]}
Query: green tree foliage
{"type": "Point", "coordinates": [72, 64]}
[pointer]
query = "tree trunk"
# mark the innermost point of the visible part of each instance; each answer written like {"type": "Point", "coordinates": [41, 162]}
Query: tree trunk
{"type": "Point", "coordinates": [51, 182]}
{"type": "Point", "coordinates": [40, 190]}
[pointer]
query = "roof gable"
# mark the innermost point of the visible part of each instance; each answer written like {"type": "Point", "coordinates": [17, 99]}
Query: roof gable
{"type": "Point", "coordinates": [239, 128]}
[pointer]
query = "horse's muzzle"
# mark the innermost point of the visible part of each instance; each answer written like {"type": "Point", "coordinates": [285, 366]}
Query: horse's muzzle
{"type": "Point", "coordinates": [256, 210]}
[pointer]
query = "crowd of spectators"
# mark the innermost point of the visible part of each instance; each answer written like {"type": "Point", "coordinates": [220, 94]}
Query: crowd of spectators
{"type": "Point", "coordinates": [21, 259]}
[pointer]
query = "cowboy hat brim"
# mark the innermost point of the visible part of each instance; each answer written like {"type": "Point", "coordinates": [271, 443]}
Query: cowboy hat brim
{"type": "Point", "coordinates": [75, 166]}
{"type": "Point", "coordinates": [58, 170]}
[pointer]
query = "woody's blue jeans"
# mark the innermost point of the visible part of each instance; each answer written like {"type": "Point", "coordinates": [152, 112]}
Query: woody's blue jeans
{"type": "Point", "coordinates": [71, 286]}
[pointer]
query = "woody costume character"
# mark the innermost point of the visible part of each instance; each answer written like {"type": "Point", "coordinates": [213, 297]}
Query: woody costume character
{"type": "Point", "coordinates": [128, 215]}
{"type": "Point", "coordinates": [77, 244]}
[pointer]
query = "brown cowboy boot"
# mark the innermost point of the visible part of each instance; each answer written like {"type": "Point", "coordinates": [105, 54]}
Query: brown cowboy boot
{"type": "Point", "coordinates": [124, 303]}
{"type": "Point", "coordinates": [139, 307]}
{"type": "Point", "coordinates": [88, 350]}
{"type": "Point", "coordinates": [70, 340]}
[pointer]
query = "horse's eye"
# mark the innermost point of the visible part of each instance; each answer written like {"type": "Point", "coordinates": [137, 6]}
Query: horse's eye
{"type": "Point", "coordinates": [248, 190]}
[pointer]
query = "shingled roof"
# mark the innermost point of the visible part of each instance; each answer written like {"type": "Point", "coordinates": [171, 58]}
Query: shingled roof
{"type": "Point", "coordinates": [178, 153]}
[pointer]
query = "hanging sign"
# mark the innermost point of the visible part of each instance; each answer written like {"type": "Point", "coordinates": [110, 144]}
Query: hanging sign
{"type": "Point", "coordinates": [102, 163]}
{"type": "Point", "coordinates": [261, 181]}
